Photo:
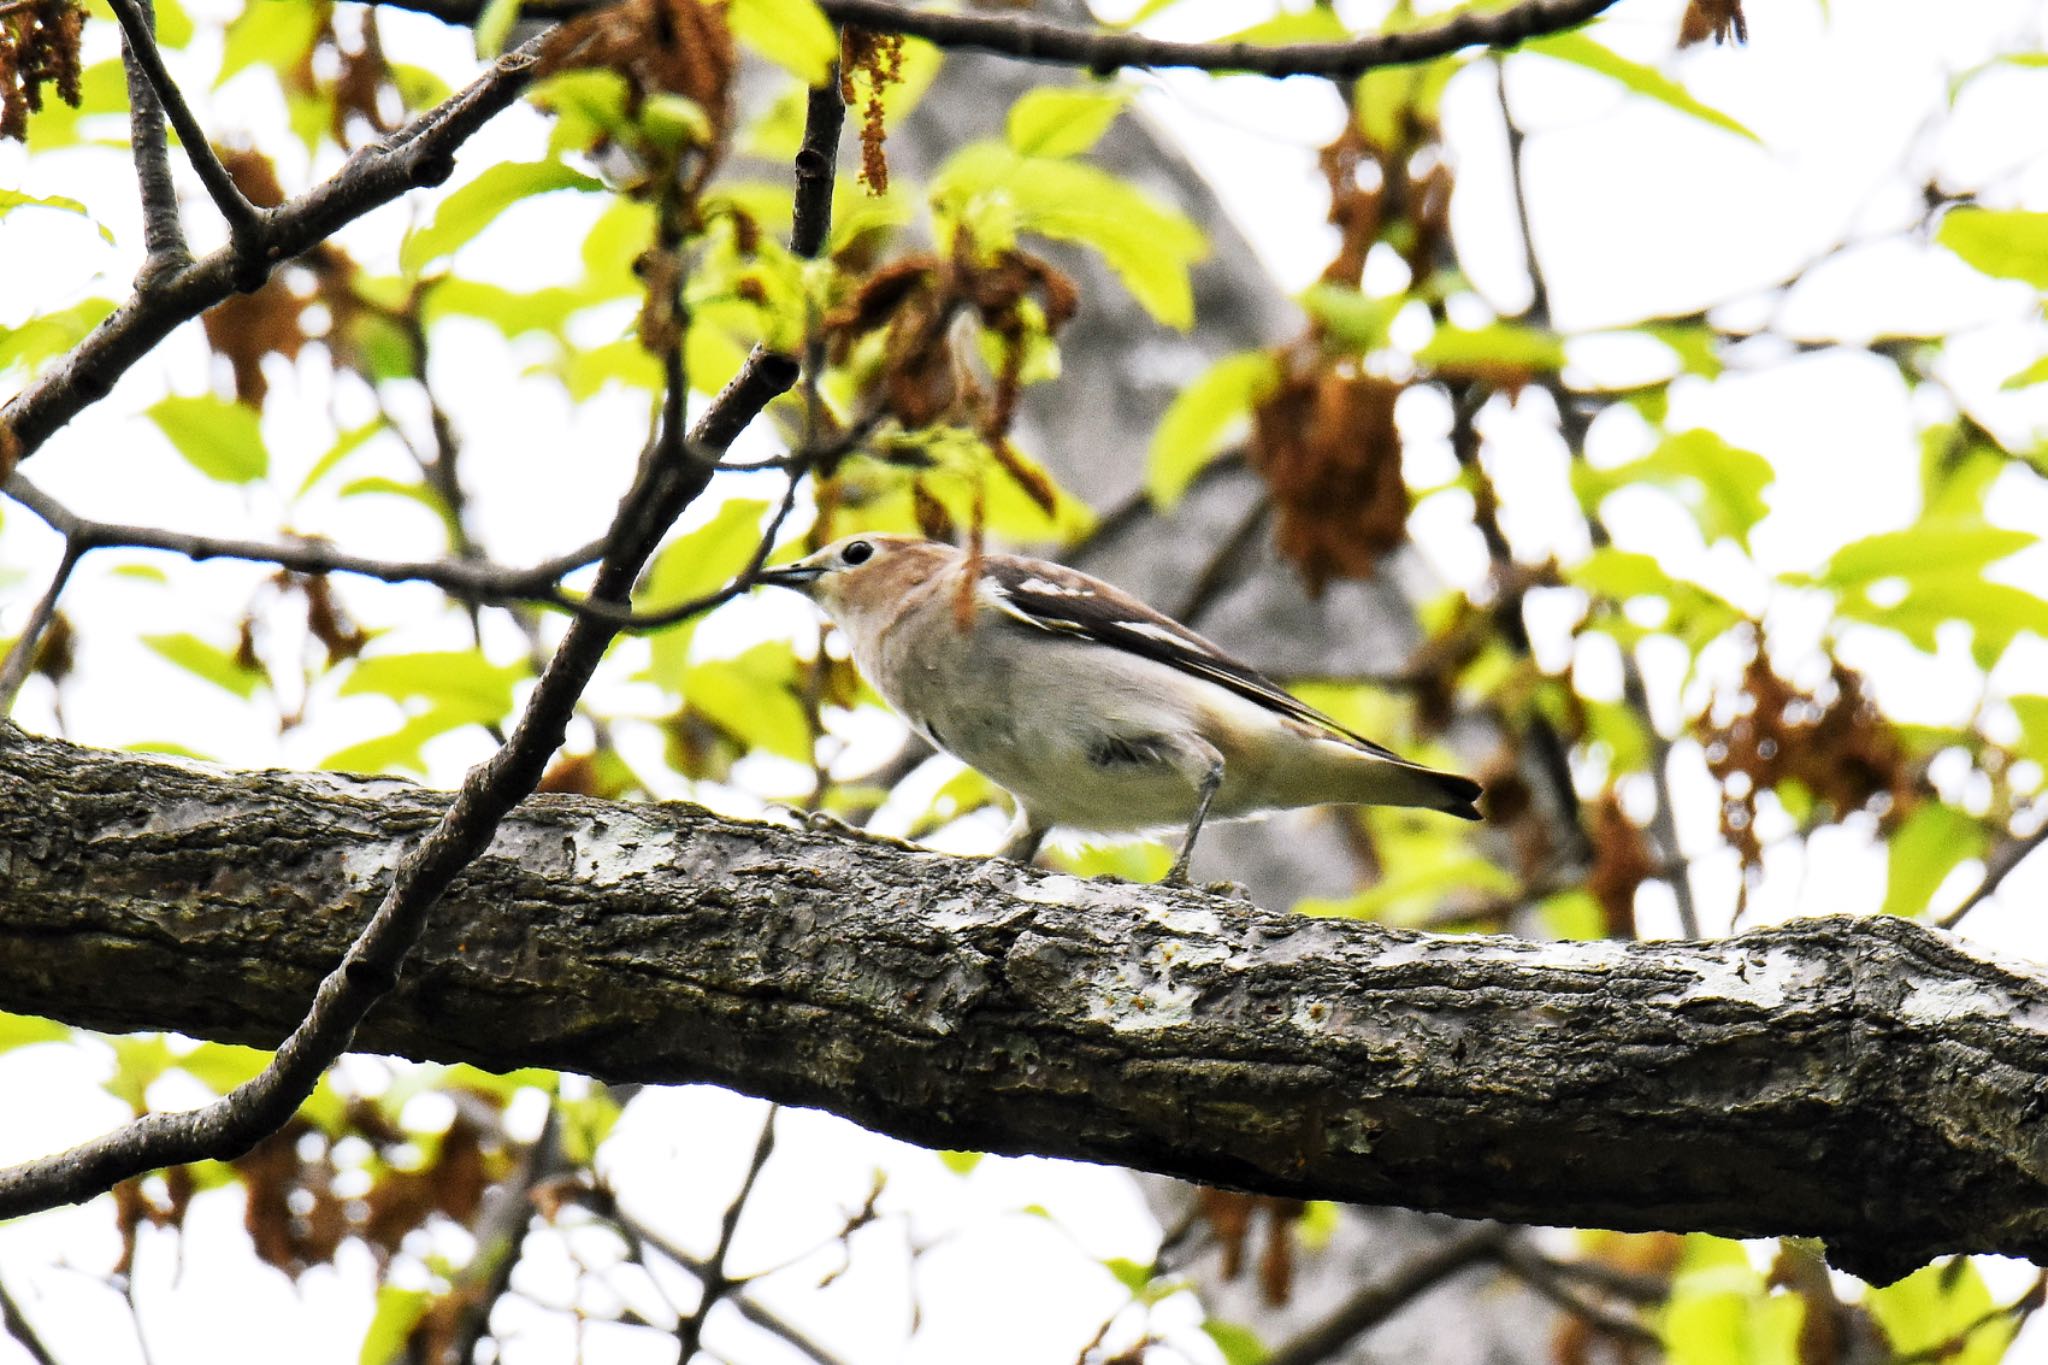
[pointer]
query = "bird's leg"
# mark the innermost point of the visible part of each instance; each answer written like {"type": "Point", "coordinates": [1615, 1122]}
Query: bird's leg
{"type": "Point", "coordinates": [1212, 780]}
{"type": "Point", "coordinates": [1020, 845]}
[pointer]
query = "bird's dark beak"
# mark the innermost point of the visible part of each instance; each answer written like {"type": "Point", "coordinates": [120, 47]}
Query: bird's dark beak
{"type": "Point", "coordinates": [796, 576]}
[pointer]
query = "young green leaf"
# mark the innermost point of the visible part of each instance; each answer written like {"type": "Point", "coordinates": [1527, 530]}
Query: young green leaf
{"type": "Point", "coordinates": [11, 200]}
{"type": "Point", "coordinates": [1929, 846]}
{"type": "Point", "coordinates": [221, 439]}
{"type": "Point", "coordinates": [202, 660]}
{"type": "Point", "coordinates": [2009, 243]}
{"type": "Point", "coordinates": [1579, 49]}
{"type": "Point", "coordinates": [1057, 121]}
{"type": "Point", "coordinates": [1924, 551]}
{"type": "Point", "coordinates": [457, 682]}
{"type": "Point", "coordinates": [474, 207]}
{"type": "Point", "coordinates": [794, 34]}
{"type": "Point", "coordinates": [1199, 421]}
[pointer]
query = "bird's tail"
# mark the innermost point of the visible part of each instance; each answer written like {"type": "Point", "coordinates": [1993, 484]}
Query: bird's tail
{"type": "Point", "coordinates": [1370, 780]}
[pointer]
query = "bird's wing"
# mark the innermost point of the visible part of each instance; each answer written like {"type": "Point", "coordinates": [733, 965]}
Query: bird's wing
{"type": "Point", "coordinates": [1063, 601]}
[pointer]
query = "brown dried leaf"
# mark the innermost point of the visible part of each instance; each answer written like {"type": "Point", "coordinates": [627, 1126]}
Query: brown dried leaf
{"type": "Point", "coordinates": [1716, 19]}
{"type": "Point", "coordinates": [1326, 444]}
{"type": "Point", "coordinates": [1833, 742]}
{"type": "Point", "coordinates": [1621, 863]}
{"type": "Point", "coordinates": [38, 47]}
{"type": "Point", "coordinates": [932, 517]}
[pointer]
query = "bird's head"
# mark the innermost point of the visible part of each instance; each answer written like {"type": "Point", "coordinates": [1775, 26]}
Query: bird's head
{"type": "Point", "coordinates": [863, 573]}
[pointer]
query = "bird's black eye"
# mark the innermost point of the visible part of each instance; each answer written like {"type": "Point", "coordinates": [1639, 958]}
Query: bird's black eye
{"type": "Point", "coordinates": [859, 552]}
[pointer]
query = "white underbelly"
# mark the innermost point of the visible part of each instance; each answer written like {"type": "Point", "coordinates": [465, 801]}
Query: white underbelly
{"type": "Point", "coordinates": [1037, 716]}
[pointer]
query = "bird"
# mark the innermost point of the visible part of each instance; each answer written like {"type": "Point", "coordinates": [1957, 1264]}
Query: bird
{"type": "Point", "coordinates": [1094, 711]}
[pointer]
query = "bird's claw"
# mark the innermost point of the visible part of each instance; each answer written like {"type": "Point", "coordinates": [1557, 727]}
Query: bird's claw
{"type": "Point", "coordinates": [825, 822]}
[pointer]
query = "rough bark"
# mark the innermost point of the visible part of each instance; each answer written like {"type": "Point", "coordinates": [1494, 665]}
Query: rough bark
{"type": "Point", "coordinates": [1866, 1081]}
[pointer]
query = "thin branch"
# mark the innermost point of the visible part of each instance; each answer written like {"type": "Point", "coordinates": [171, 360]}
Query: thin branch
{"type": "Point", "coordinates": [1997, 867]}
{"type": "Point", "coordinates": [18, 1327]}
{"type": "Point", "coordinates": [1030, 39]}
{"type": "Point", "coordinates": [1385, 1297]}
{"type": "Point", "coordinates": [639, 1237]}
{"type": "Point", "coordinates": [369, 969]}
{"type": "Point", "coordinates": [162, 236]}
{"type": "Point", "coordinates": [420, 154]}
{"type": "Point", "coordinates": [467, 579]}
{"type": "Point", "coordinates": [1543, 1277]}
{"type": "Point", "coordinates": [246, 226]}
{"type": "Point", "coordinates": [21, 658]}
{"type": "Point", "coordinates": [714, 1283]}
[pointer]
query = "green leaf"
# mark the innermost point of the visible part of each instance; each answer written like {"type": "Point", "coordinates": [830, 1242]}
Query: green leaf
{"type": "Point", "coordinates": [469, 210]}
{"type": "Point", "coordinates": [2009, 243]}
{"type": "Point", "coordinates": [996, 193]}
{"type": "Point", "coordinates": [221, 439]}
{"type": "Point", "coordinates": [959, 1163]}
{"type": "Point", "coordinates": [1580, 49]}
{"type": "Point", "coordinates": [401, 750]}
{"type": "Point", "coordinates": [2036, 373]}
{"type": "Point", "coordinates": [1314, 24]}
{"type": "Point", "coordinates": [220, 1067]}
{"type": "Point", "coordinates": [1238, 1343]}
{"type": "Point", "coordinates": [1063, 122]}
{"type": "Point", "coordinates": [457, 682]}
{"type": "Point", "coordinates": [345, 445]}
{"type": "Point", "coordinates": [2032, 712]}
{"type": "Point", "coordinates": [1924, 551]}
{"type": "Point", "coordinates": [1993, 612]}
{"type": "Point", "coordinates": [398, 1312]}
{"type": "Point", "coordinates": [11, 200]}
{"type": "Point", "coordinates": [24, 1030]}
{"type": "Point", "coordinates": [138, 1060]}
{"type": "Point", "coordinates": [1722, 1313]}
{"type": "Point", "coordinates": [513, 312]}
{"type": "Point", "coordinates": [1501, 350]}
{"type": "Point", "coordinates": [102, 91]}
{"type": "Point", "coordinates": [586, 1123]}
{"type": "Point", "coordinates": [52, 334]}
{"type": "Point", "coordinates": [1131, 860]}
{"type": "Point", "coordinates": [1929, 846]}
{"type": "Point", "coordinates": [1199, 421]}
{"type": "Point", "coordinates": [753, 698]}
{"type": "Point", "coordinates": [691, 566]}
{"type": "Point", "coordinates": [493, 25]}
{"type": "Point", "coordinates": [1722, 485]}
{"type": "Point", "coordinates": [273, 33]}
{"type": "Point", "coordinates": [1351, 319]}
{"type": "Point", "coordinates": [1620, 575]}
{"type": "Point", "coordinates": [216, 665]}
{"type": "Point", "coordinates": [794, 34]}
{"type": "Point", "coordinates": [1933, 1306]}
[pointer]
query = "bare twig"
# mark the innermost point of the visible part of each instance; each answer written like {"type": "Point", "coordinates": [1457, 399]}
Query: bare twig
{"type": "Point", "coordinates": [15, 670]}
{"type": "Point", "coordinates": [1997, 867]}
{"type": "Point", "coordinates": [369, 969]}
{"type": "Point", "coordinates": [245, 221]}
{"type": "Point", "coordinates": [467, 579]}
{"type": "Point", "coordinates": [18, 1327]}
{"type": "Point", "coordinates": [714, 1283]}
{"type": "Point", "coordinates": [420, 154]}
{"type": "Point", "coordinates": [162, 236]}
{"type": "Point", "coordinates": [1031, 39]}
{"type": "Point", "coordinates": [1543, 1277]}
{"type": "Point", "coordinates": [1387, 1296]}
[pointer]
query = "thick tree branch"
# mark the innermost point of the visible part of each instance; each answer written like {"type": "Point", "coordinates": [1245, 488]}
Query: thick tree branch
{"type": "Point", "coordinates": [1031, 39]}
{"type": "Point", "coordinates": [1867, 1081]}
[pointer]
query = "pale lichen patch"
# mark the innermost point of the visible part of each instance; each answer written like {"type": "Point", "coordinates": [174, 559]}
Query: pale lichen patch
{"type": "Point", "coordinates": [620, 848]}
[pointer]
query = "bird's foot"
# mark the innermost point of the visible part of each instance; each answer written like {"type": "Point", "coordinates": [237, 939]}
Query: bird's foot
{"type": "Point", "coordinates": [825, 822]}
